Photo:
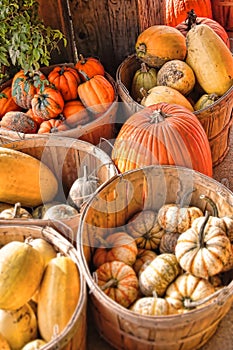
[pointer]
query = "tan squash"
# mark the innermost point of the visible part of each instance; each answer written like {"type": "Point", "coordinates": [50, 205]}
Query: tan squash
{"type": "Point", "coordinates": [210, 59]}
{"type": "Point", "coordinates": [46, 249]}
{"type": "Point", "coordinates": [159, 94]}
{"type": "Point", "coordinates": [58, 296]}
{"type": "Point", "coordinates": [21, 270]}
{"type": "Point", "coordinates": [18, 326]}
{"type": "Point", "coordinates": [15, 212]}
{"type": "Point", "coordinates": [153, 306]}
{"type": "Point", "coordinates": [34, 344]}
{"type": "Point", "coordinates": [25, 179]}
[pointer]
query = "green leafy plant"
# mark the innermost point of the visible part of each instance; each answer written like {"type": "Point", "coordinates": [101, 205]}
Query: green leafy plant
{"type": "Point", "coordinates": [25, 42]}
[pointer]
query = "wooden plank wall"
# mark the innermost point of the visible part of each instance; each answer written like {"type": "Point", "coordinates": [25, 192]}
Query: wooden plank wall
{"type": "Point", "coordinates": [106, 29]}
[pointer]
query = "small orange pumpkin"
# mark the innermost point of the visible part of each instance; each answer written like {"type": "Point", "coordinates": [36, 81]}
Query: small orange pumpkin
{"type": "Point", "coordinates": [48, 104]}
{"type": "Point", "coordinates": [34, 117]}
{"type": "Point", "coordinates": [7, 103]}
{"type": "Point", "coordinates": [89, 65]}
{"type": "Point", "coordinates": [75, 113]}
{"type": "Point", "coordinates": [97, 94]}
{"type": "Point", "coordinates": [66, 79]}
{"type": "Point", "coordinates": [52, 126]}
{"type": "Point", "coordinates": [25, 86]}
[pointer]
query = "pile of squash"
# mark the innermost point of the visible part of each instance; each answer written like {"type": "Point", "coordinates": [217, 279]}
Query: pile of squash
{"type": "Point", "coordinates": [165, 262]}
{"type": "Point", "coordinates": [68, 96]}
{"type": "Point", "coordinates": [190, 64]}
{"type": "Point", "coordinates": [39, 292]}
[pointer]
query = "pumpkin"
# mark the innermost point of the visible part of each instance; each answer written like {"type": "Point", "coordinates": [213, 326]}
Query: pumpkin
{"type": "Point", "coordinates": [159, 274]}
{"type": "Point", "coordinates": [35, 344]}
{"type": "Point", "coordinates": [118, 281]}
{"type": "Point", "coordinates": [34, 117]}
{"type": "Point", "coordinates": [25, 85]}
{"type": "Point", "coordinates": [66, 79]}
{"type": "Point", "coordinates": [144, 227]}
{"type": "Point", "coordinates": [176, 11]}
{"type": "Point", "coordinates": [165, 134]}
{"type": "Point", "coordinates": [168, 242]}
{"type": "Point", "coordinates": [38, 212]}
{"type": "Point", "coordinates": [90, 66]}
{"type": "Point", "coordinates": [4, 206]}
{"type": "Point", "coordinates": [203, 249]}
{"type": "Point", "coordinates": [75, 113]}
{"type": "Point", "coordinates": [7, 103]}
{"type": "Point", "coordinates": [177, 75]}
{"type": "Point", "coordinates": [143, 256]}
{"type": "Point", "coordinates": [210, 59]}
{"type": "Point", "coordinates": [193, 19]}
{"type": "Point", "coordinates": [21, 268]}
{"type": "Point", "coordinates": [18, 326]}
{"type": "Point", "coordinates": [186, 290]}
{"type": "Point", "coordinates": [165, 94]}
{"type": "Point", "coordinates": [96, 94]}
{"type": "Point", "coordinates": [82, 188]}
{"type": "Point", "coordinates": [160, 43]}
{"type": "Point", "coordinates": [205, 101]}
{"type": "Point", "coordinates": [178, 217]}
{"type": "Point", "coordinates": [58, 296]}
{"type": "Point", "coordinates": [52, 126]}
{"type": "Point", "coordinates": [16, 212]}
{"type": "Point", "coordinates": [18, 121]}
{"type": "Point", "coordinates": [25, 179]}
{"type": "Point", "coordinates": [60, 212]}
{"type": "Point", "coordinates": [118, 246]}
{"type": "Point", "coordinates": [47, 104]}
{"type": "Point", "coordinates": [145, 77]}
{"type": "Point", "coordinates": [152, 306]}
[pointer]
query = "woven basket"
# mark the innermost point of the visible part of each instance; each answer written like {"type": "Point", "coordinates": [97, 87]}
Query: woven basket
{"type": "Point", "coordinates": [73, 337]}
{"type": "Point", "coordinates": [93, 132]}
{"type": "Point", "coordinates": [66, 158]}
{"type": "Point", "coordinates": [114, 203]}
{"type": "Point", "coordinates": [215, 119]}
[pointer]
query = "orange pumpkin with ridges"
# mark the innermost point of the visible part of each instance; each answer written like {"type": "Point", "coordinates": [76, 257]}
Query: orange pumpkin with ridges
{"type": "Point", "coordinates": [75, 113]}
{"type": "Point", "coordinates": [7, 102]}
{"type": "Point", "coordinates": [48, 104]}
{"type": "Point", "coordinates": [89, 65]}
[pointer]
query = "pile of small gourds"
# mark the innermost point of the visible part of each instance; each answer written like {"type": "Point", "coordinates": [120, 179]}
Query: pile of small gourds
{"type": "Point", "coordinates": [39, 292]}
{"type": "Point", "coordinates": [190, 64]}
{"type": "Point", "coordinates": [58, 101]}
{"type": "Point", "coordinates": [165, 262]}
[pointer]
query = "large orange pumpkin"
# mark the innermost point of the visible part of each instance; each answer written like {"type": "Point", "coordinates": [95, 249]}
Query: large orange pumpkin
{"type": "Point", "coordinates": [7, 103]}
{"type": "Point", "coordinates": [193, 19]}
{"type": "Point", "coordinates": [176, 10]}
{"type": "Point", "coordinates": [165, 134]}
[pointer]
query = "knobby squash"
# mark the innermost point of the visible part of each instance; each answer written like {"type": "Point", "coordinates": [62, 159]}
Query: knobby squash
{"type": "Point", "coordinates": [25, 179]}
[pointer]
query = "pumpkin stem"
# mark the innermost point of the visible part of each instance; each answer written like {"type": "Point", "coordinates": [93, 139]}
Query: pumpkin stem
{"type": "Point", "coordinates": [144, 68]}
{"type": "Point", "coordinates": [84, 75]}
{"type": "Point", "coordinates": [157, 117]}
{"type": "Point", "coordinates": [191, 19]}
{"type": "Point", "coordinates": [101, 242]}
{"type": "Point", "coordinates": [189, 304]}
{"type": "Point", "coordinates": [16, 212]}
{"type": "Point", "coordinates": [141, 48]}
{"type": "Point", "coordinates": [211, 202]}
{"type": "Point", "coordinates": [202, 229]}
{"type": "Point", "coordinates": [183, 199]}
{"type": "Point", "coordinates": [112, 283]}
{"type": "Point", "coordinates": [82, 59]}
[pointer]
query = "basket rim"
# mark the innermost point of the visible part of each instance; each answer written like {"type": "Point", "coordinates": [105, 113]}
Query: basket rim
{"type": "Point", "coordinates": [224, 294]}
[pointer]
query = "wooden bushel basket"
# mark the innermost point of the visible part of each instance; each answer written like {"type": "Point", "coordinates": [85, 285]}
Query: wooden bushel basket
{"type": "Point", "coordinates": [215, 119]}
{"type": "Point", "coordinates": [93, 132]}
{"type": "Point", "coordinates": [73, 337]}
{"type": "Point", "coordinates": [114, 203]}
{"type": "Point", "coordinates": [66, 158]}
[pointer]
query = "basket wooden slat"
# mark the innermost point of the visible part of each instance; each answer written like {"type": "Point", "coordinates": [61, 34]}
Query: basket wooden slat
{"type": "Point", "coordinates": [66, 158]}
{"type": "Point", "coordinates": [73, 337]}
{"type": "Point", "coordinates": [215, 119]}
{"type": "Point", "coordinates": [152, 186]}
{"type": "Point", "coordinates": [93, 132]}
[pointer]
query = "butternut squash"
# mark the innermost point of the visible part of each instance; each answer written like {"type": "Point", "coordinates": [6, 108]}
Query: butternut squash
{"type": "Point", "coordinates": [210, 59]}
{"type": "Point", "coordinates": [58, 296]}
{"type": "Point", "coordinates": [25, 179]}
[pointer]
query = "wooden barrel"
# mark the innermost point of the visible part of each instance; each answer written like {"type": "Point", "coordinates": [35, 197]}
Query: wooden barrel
{"type": "Point", "coordinates": [93, 132]}
{"type": "Point", "coordinates": [215, 119]}
{"type": "Point", "coordinates": [73, 337]}
{"type": "Point", "coordinates": [66, 157]}
{"type": "Point", "coordinates": [118, 200]}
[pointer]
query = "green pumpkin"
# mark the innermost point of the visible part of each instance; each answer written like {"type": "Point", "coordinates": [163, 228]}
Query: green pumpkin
{"type": "Point", "coordinates": [145, 77]}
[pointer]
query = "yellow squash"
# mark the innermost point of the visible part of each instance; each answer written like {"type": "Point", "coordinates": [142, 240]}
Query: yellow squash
{"type": "Point", "coordinates": [25, 179]}
{"type": "Point", "coordinates": [210, 59]}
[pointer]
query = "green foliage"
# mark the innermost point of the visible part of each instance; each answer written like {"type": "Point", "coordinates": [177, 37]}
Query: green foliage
{"type": "Point", "coordinates": [25, 41]}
